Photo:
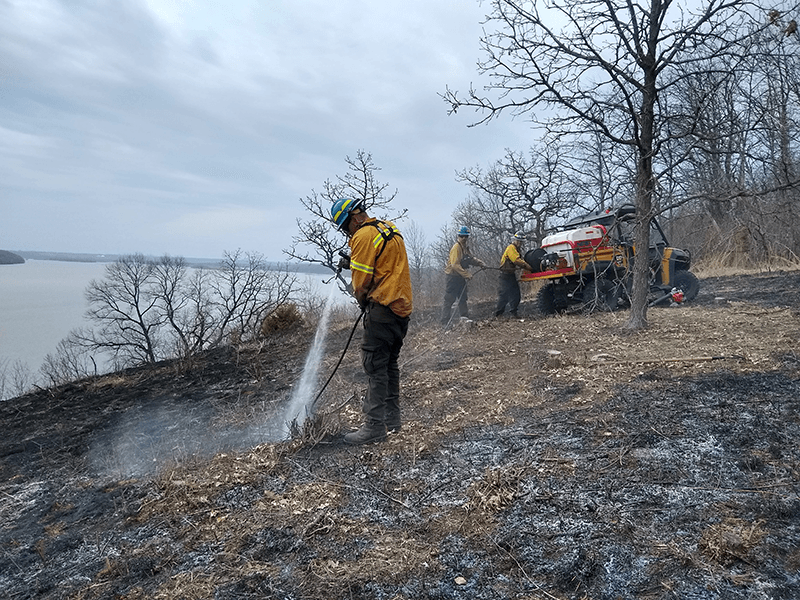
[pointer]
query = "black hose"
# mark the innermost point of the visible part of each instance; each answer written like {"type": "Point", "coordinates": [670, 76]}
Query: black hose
{"type": "Point", "coordinates": [341, 358]}
{"type": "Point", "coordinates": [461, 295]}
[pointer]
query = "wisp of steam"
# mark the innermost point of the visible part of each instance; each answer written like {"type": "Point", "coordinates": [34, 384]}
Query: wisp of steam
{"type": "Point", "coordinates": [297, 411]}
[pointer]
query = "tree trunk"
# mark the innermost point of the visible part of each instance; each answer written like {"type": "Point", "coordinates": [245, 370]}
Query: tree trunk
{"type": "Point", "coordinates": [644, 183]}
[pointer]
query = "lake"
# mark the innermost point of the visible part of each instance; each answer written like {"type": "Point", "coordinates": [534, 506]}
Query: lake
{"type": "Point", "coordinates": [41, 301]}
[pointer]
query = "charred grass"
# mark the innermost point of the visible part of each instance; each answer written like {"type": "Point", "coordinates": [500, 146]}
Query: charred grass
{"type": "Point", "coordinates": [557, 457]}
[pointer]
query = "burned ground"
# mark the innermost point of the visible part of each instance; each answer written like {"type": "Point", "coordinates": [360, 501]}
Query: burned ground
{"type": "Point", "coordinates": [557, 457]}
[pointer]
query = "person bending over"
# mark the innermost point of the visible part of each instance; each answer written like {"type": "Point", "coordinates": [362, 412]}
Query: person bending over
{"type": "Point", "coordinates": [381, 282]}
{"type": "Point", "coordinates": [508, 293]}
{"type": "Point", "coordinates": [457, 276]}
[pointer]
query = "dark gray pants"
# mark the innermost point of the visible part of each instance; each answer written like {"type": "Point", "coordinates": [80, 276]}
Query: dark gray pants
{"type": "Point", "coordinates": [455, 289]}
{"type": "Point", "coordinates": [508, 293]}
{"type": "Point", "coordinates": [380, 348]}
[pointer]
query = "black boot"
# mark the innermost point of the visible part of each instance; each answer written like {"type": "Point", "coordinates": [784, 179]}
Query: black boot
{"type": "Point", "coordinates": [369, 432]}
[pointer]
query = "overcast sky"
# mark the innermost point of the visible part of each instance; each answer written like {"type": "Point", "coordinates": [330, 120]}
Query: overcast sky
{"type": "Point", "coordinates": [194, 127]}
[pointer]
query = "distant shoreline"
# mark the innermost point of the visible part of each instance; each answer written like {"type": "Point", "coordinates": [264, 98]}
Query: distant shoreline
{"type": "Point", "coordinates": [209, 263]}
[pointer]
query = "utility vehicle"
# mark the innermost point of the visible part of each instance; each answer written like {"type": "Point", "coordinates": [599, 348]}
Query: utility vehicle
{"type": "Point", "coordinates": [589, 262]}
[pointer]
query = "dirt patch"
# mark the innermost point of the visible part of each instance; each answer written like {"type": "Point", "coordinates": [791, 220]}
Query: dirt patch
{"type": "Point", "coordinates": [557, 457]}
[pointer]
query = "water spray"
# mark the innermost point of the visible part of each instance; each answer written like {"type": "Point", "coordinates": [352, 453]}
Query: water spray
{"type": "Point", "coordinates": [297, 410]}
{"type": "Point", "coordinates": [300, 407]}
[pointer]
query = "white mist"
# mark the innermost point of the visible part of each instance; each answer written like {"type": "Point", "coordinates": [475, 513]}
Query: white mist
{"type": "Point", "coordinates": [303, 395]}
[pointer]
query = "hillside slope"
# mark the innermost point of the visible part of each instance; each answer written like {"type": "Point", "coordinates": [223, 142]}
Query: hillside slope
{"type": "Point", "coordinates": [10, 258]}
{"type": "Point", "coordinates": [557, 457]}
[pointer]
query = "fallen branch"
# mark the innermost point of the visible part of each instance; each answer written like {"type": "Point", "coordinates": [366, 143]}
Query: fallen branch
{"type": "Point", "coordinates": [603, 359]}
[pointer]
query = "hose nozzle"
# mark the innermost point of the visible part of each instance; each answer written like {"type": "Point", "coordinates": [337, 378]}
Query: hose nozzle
{"type": "Point", "coordinates": [344, 262]}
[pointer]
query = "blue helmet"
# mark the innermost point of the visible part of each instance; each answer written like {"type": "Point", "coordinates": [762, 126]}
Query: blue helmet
{"type": "Point", "coordinates": [341, 209]}
{"type": "Point", "coordinates": [463, 230]}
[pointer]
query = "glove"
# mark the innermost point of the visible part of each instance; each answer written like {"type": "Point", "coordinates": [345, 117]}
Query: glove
{"type": "Point", "coordinates": [468, 276]}
{"type": "Point", "coordinates": [344, 262]}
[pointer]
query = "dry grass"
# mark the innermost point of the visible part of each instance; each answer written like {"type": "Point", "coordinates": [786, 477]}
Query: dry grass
{"type": "Point", "coordinates": [726, 265]}
{"type": "Point", "coordinates": [558, 457]}
{"type": "Point", "coordinates": [285, 316]}
{"type": "Point", "coordinates": [731, 540]}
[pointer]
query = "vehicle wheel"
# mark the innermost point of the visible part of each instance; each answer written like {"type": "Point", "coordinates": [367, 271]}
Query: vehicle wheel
{"type": "Point", "coordinates": [687, 282]}
{"type": "Point", "coordinates": [601, 295]}
{"type": "Point", "coordinates": [546, 300]}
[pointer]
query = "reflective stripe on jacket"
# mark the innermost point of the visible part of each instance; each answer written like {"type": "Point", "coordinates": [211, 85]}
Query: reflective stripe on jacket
{"type": "Point", "coordinates": [379, 266]}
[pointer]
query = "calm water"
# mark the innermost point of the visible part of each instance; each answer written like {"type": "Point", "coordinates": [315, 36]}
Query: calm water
{"type": "Point", "coordinates": [41, 301]}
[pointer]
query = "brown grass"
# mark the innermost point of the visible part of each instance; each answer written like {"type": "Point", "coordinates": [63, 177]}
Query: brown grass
{"type": "Point", "coordinates": [726, 265]}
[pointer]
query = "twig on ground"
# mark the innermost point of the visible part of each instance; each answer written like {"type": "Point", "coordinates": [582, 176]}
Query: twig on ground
{"type": "Point", "coordinates": [522, 570]}
{"type": "Point", "coordinates": [604, 359]}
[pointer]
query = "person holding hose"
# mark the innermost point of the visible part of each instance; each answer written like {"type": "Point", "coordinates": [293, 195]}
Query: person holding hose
{"type": "Point", "coordinates": [457, 276]}
{"type": "Point", "coordinates": [381, 281]}
{"type": "Point", "coordinates": [508, 293]}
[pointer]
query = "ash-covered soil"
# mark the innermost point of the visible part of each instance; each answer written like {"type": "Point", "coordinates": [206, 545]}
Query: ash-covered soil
{"type": "Point", "coordinates": [540, 458]}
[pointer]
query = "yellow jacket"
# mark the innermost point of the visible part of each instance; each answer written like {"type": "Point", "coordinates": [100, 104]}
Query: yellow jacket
{"type": "Point", "coordinates": [511, 260]}
{"type": "Point", "coordinates": [379, 266]}
{"type": "Point", "coordinates": [454, 261]}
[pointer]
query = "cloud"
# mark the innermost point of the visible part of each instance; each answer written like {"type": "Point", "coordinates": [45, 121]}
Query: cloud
{"type": "Point", "coordinates": [226, 221]}
{"type": "Point", "coordinates": [125, 113]}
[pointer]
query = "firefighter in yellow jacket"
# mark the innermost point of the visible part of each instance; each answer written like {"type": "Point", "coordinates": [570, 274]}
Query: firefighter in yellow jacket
{"type": "Point", "coordinates": [457, 275]}
{"type": "Point", "coordinates": [509, 293]}
{"type": "Point", "coordinates": [381, 282]}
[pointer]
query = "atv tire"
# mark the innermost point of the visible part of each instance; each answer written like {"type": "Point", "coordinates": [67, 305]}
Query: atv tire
{"type": "Point", "coordinates": [601, 295]}
{"type": "Point", "coordinates": [687, 282]}
{"type": "Point", "coordinates": [546, 300]}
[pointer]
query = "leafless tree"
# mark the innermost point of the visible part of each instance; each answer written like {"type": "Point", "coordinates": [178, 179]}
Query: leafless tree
{"type": "Point", "coordinates": [517, 193]}
{"type": "Point", "coordinates": [317, 242]}
{"type": "Point", "coordinates": [70, 361]}
{"type": "Point", "coordinates": [125, 307]}
{"type": "Point", "coordinates": [244, 293]}
{"type": "Point", "coordinates": [596, 173]}
{"type": "Point", "coordinates": [147, 310]}
{"type": "Point", "coordinates": [417, 248]}
{"type": "Point", "coordinates": [602, 66]}
{"type": "Point", "coordinates": [169, 275]}
{"type": "Point", "coordinates": [197, 320]}
{"type": "Point", "coordinates": [743, 183]}
{"type": "Point", "coordinates": [15, 378]}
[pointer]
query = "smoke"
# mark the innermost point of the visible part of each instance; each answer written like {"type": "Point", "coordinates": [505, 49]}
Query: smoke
{"type": "Point", "coordinates": [149, 438]}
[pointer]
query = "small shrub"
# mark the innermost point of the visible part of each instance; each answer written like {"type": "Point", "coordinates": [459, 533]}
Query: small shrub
{"type": "Point", "coordinates": [283, 317]}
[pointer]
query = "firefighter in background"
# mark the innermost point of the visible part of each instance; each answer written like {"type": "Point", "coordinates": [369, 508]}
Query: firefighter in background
{"type": "Point", "coordinates": [508, 293]}
{"type": "Point", "coordinates": [457, 275]}
{"type": "Point", "coordinates": [381, 282]}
